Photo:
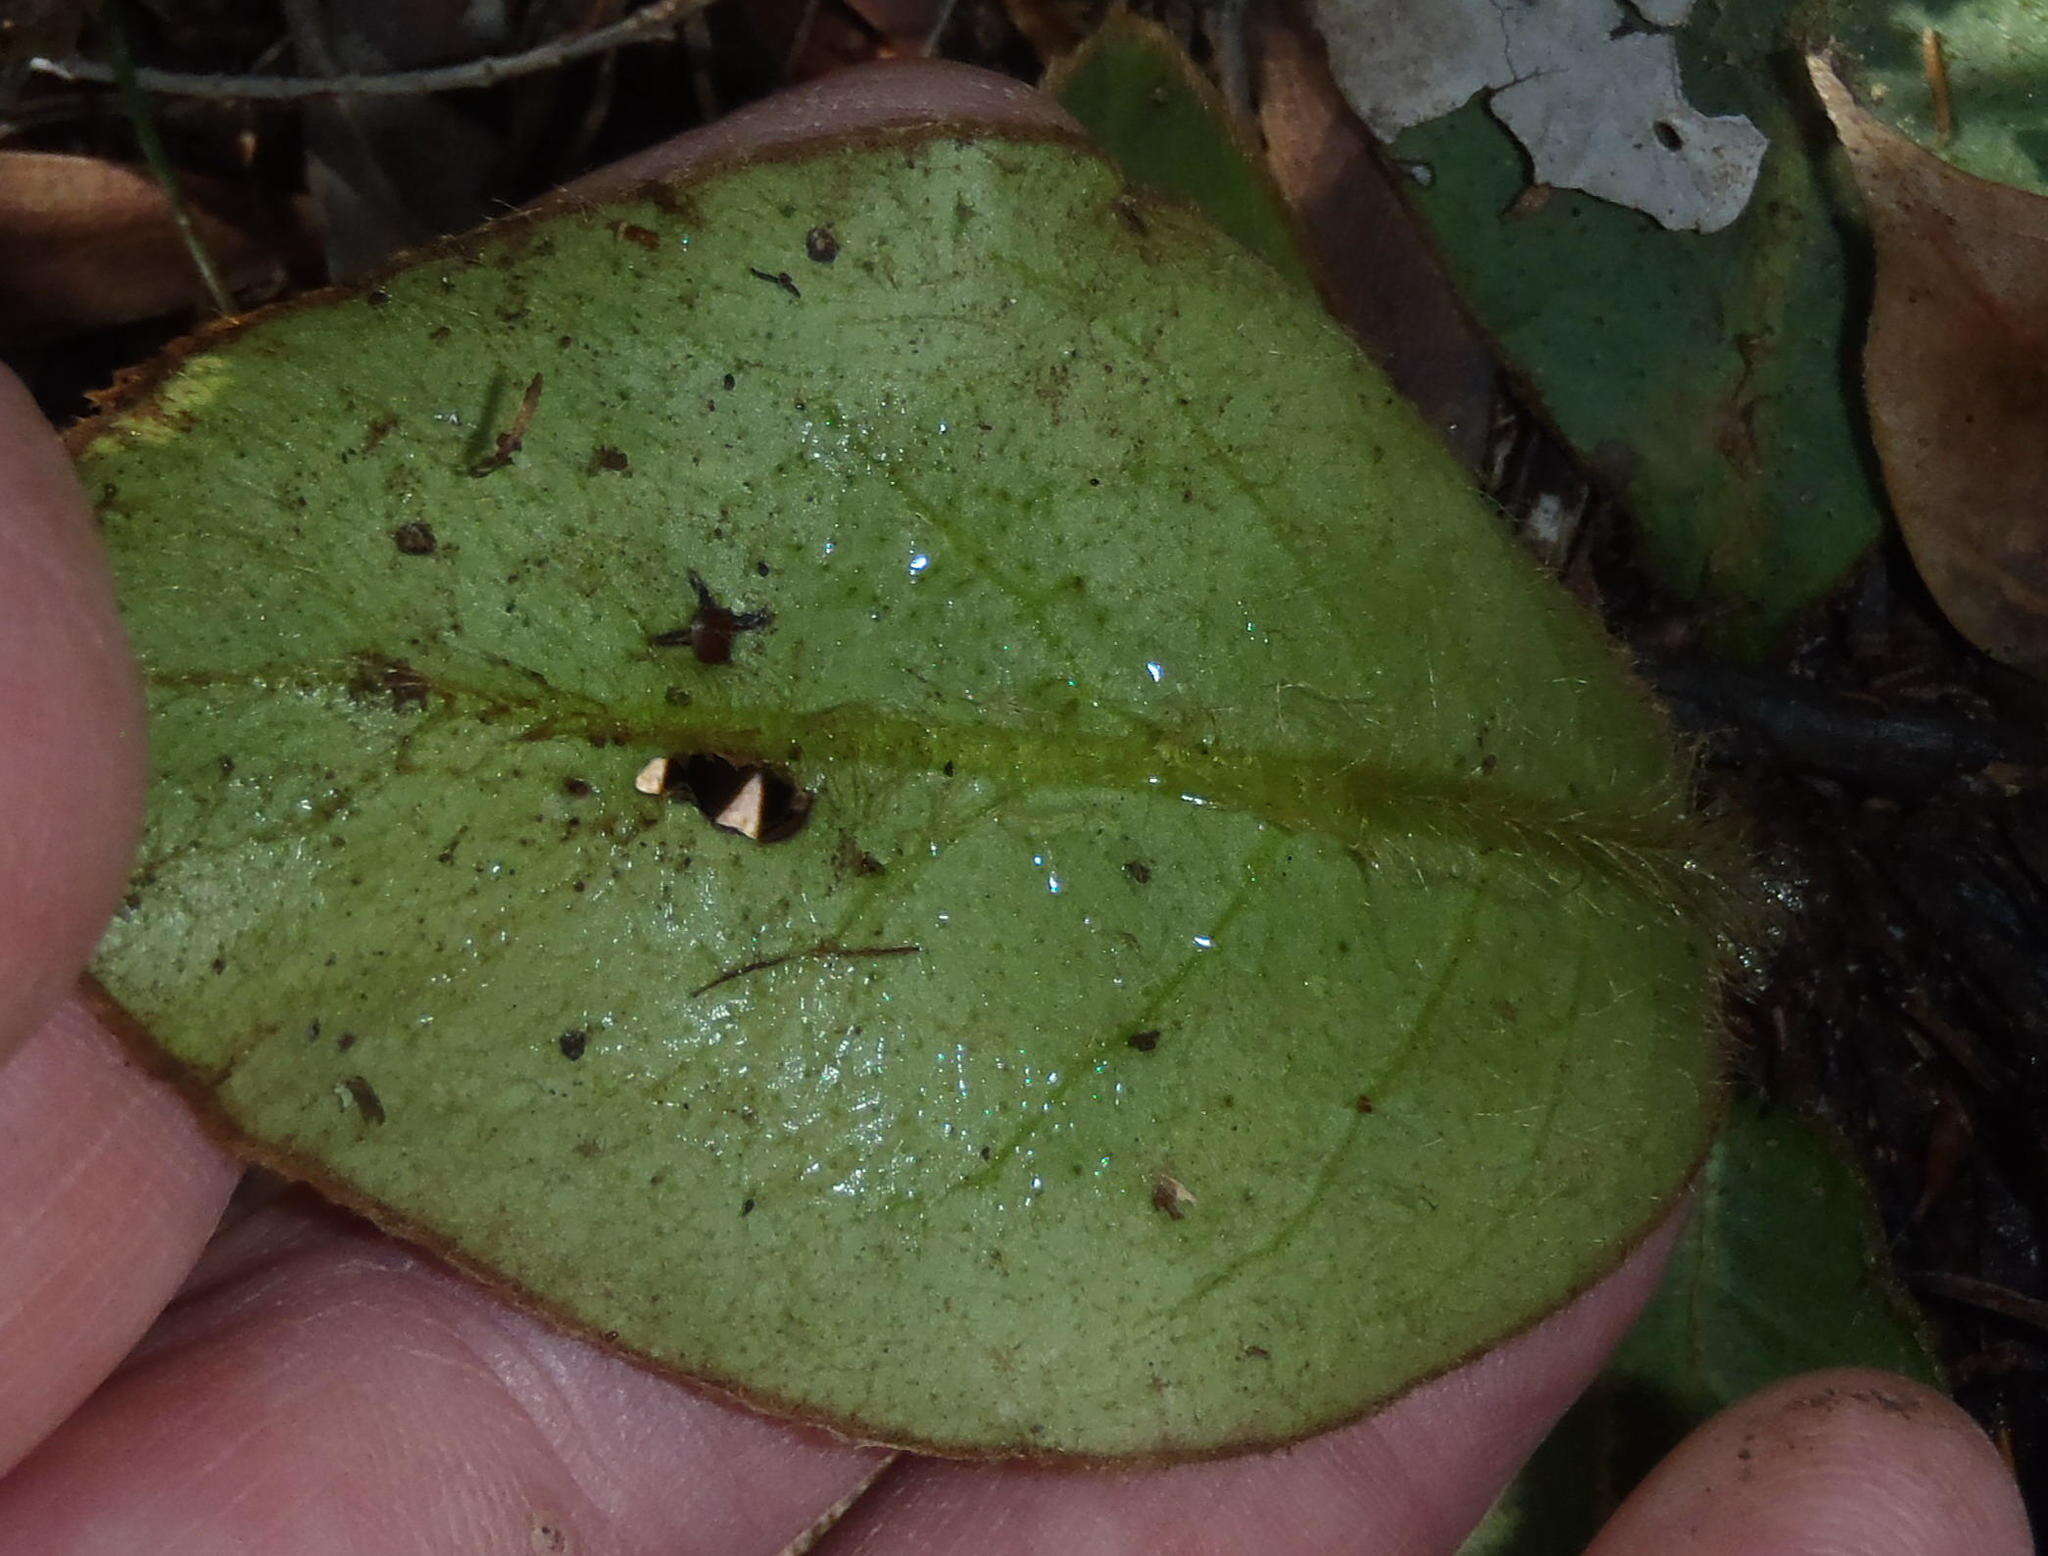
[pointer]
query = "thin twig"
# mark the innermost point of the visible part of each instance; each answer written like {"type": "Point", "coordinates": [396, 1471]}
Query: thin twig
{"type": "Point", "coordinates": [576, 149]}
{"type": "Point", "coordinates": [697, 46]}
{"type": "Point", "coordinates": [800, 39]}
{"type": "Point", "coordinates": [655, 23]}
{"type": "Point", "coordinates": [826, 952]}
{"type": "Point", "coordinates": [136, 99]}
{"type": "Point", "coordinates": [1225, 25]}
{"type": "Point", "coordinates": [938, 28]}
{"type": "Point", "coordinates": [1934, 61]}
{"type": "Point", "coordinates": [1988, 1295]}
{"type": "Point", "coordinates": [359, 168]}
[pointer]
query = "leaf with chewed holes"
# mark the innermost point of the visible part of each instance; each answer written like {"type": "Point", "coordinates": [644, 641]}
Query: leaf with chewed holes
{"type": "Point", "coordinates": [894, 780]}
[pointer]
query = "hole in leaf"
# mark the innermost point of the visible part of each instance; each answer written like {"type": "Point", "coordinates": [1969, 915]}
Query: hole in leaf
{"type": "Point", "coordinates": [753, 800]}
{"type": "Point", "coordinates": [1667, 135]}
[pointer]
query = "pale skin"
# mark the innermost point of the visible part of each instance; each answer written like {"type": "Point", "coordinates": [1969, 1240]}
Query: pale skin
{"type": "Point", "coordinates": [300, 1385]}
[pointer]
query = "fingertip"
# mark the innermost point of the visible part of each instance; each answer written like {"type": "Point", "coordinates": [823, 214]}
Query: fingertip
{"type": "Point", "coordinates": [72, 767]}
{"type": "Point", "coordinates": [1848, 1459]}
{"type": "Point", "coordinates": [112, 1190]}
{"type": "Point", "coordinates": [867, 97]}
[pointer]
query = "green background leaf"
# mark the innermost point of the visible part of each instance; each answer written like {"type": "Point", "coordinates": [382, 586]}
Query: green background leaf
{"type": "Point", "coordinates": [1266, 829]}
{"type": "Point", "coordinates": [1996, 53]}
{"type": "Point", "coordinates": [1134, 90]}
{"type": "Point", "coordinates": [1706, 376]}
{"type": "Point", "coordinates": [1781, 1270]}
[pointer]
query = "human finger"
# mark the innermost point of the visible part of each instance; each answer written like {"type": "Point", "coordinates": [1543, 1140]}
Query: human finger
{"type": "Point", "coordinates": [71, 762]}
{"type": "Point", "coordinates": [1416, 1477]}
{"type": "Point", "coordinates": [1846, 1460]}
{"type": "Point", "coordinates": [324, 1391]}
{"type": "Point", "coordinates": [111, 1192]}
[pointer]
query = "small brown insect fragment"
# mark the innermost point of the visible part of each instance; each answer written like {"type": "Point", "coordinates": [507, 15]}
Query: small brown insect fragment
{"type": "Point", "coordinates": [821, 245]}
{"type": "Point", "coordinates": [646, 237]}
{"type": "Point", "coordinates": [416, 538]}
{"type": "Point", "coordinates": [710, 633]}
{"type": "Point", "coordinates": [1171, 1195]}
{"type": "Point", "coordinates": [366, 1100]}
{"type": "Point", "coordinates": [513, 439]}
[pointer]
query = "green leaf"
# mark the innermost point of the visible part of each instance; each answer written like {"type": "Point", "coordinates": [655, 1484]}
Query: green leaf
{"type": "Point", "coordinates": [1710, 377]}
{"type": "Point", "coordinates": [1136, 92]}
{"type": "Point", "coordinates": [1781, 1270]}
{"type": "Point", "coordinates": [1994, 57]}
{"type": "Point", "coordinates": [1239, 957]}
{"type": "Point", "coordinates": [1704, 375]}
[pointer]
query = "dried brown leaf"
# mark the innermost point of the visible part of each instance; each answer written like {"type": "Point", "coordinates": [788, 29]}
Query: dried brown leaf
{"type": "Point", "coordinates": [92, 243]}
{"type": "Point", "coordinates": [1378, 272]}
{"type": "Point", "coordinates": [1956, 374]}
{"type": "Point", "coordinates": [1053, 27]}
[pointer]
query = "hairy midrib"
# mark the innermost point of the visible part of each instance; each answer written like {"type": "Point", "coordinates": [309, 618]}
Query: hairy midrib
{"type": "Point", "coordinates": [1653, 848]}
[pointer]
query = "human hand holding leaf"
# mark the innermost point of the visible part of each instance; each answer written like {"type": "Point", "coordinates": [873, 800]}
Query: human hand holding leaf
{"type": "Point", "coordinates": [1222, 870]}
{"type": "Point", "coordinates": [435, 1311]}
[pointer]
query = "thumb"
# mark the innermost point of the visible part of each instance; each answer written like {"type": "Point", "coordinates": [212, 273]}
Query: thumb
{"type": "Point", "coordinates": [72, 753]}
{"type": "Point", "coordinates": [1848, 1460]}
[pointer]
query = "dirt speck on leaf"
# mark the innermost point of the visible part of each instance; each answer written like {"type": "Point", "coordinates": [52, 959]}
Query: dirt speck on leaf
{"type": "Point", "coordinates": [416, 538]}
{"type": "Point", "coordinates": [375, 677]}
{"type": "Point", "coordinates": [365, 1098]}
{"type": "Point", "coordinates": [1171, 1196]}
{"type": "Point", "coordinates": [779, 278]}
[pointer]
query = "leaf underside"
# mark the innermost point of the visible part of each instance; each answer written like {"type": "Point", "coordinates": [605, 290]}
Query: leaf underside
{"type": "Point", "coordinates": [1231, 968]}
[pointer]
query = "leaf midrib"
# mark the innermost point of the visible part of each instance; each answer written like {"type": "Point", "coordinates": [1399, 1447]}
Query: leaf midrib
{"type": "Point", "coordinates": [1351, 800]}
